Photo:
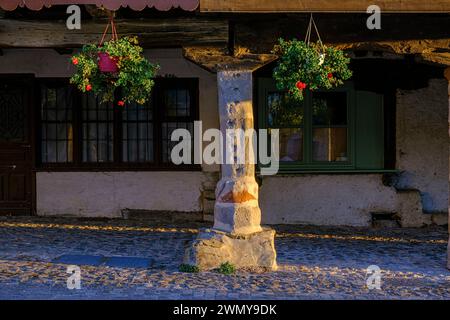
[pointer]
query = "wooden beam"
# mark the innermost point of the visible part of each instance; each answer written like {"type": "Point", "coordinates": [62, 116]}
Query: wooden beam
{"type": "Point", "coordinates": [215, 59]}
{"type": "Point", "coordinates": [323, 5]}
{"type": "Point", "coordinates": [424, 46]}
{"type": "Point", "coordinates": [170, 32]}
{"type": "Point", "coordinates": [435, 52]}
{"type": "Point", "coordinates": [259, 33]}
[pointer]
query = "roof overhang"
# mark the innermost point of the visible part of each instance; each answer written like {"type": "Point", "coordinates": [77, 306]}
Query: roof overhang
{"type": "Point", "coordinates": [162, 5]}
{"type": "Point", "coordinates": [265, 6]}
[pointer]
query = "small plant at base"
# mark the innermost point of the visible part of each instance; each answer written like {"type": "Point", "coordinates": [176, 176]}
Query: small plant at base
{"type": "Point", "coordinates": [188, 268]}
{"type": "Point", "coordinates": [226, 268]}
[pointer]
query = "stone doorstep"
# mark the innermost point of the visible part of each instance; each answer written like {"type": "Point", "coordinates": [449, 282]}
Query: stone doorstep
{"type": "Point", "coordinates": [213, 247]}
{"type": "Point", "coordinates": [117, 262]}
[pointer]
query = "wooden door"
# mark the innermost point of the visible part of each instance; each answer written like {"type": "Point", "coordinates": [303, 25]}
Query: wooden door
{"type": "Point", "coordinates": [16, 158]}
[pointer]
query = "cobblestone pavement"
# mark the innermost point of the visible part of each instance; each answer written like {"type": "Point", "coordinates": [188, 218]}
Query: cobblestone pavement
{"type": "Point", "coordinates": [314, 263]}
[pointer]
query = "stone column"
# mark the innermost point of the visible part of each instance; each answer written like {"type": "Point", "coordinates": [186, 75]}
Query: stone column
{"type": "Point", "coordinates": [447, 75]}
{"type": "Point", "coordinates": [236, 210]}
{"type": "Point", "coordinates": [237, 236]}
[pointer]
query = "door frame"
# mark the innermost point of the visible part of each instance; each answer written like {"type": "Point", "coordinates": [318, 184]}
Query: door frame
{"type": "Point", "coordinates": [30, 80]}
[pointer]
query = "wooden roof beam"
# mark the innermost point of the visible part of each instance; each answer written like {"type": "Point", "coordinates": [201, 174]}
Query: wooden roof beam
{"type": "Point", "coordinates": [264, 6]}
{"type": "Point", "coordinates": [216, 59]}
{"type": "Point", "coordinates": [161, 32]}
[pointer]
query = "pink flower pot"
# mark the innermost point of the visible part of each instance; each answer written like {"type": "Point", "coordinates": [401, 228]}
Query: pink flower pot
{"type": "Point", "coordinates": [107, 63]}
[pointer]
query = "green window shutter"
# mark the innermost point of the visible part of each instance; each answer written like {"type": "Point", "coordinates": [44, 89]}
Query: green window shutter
{"type": "Point", "coordinates": [369, 130]}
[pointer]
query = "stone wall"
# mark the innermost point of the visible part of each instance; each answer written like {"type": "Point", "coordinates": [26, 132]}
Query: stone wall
{"type": "Point", "coordinates": [422, 143]}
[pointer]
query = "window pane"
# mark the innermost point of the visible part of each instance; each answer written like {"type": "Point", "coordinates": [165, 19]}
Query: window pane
{"type": "Point", "coordinates": [64, 100]}
{"type": "Point", "coordinates": [130, 150]}
{"type": "Point", "coordinates": [145, 113]}
{"type": "Point", "coordinates": [56, 125]}
{"type": "Point", "coordinates": [51, 131]}
{"type": "Point", "coordinates": [137, 133]}
{"type": "Point", "coordinates": [167, 144]}
{"type": "Point", "coordinates": [130, 131]}
{"type": "Point", "coordinates": [144, 154]}
{"type": "Point", "coordinates": [130, 112]}
{"type": "Point", "coordinates": [61, 131]}
{"type": "Point", "coordinates": [177, 102]}
{"type": "Point", "coordinates": [283, 112]}
{"type": "Point", "coordinates": [50, 152]}
{"type": "Point", "coordinates": [291, 142]}
{"type": "Point", "coordinates": [62, 151]}
{"type": "Point", "coordinates": [102, 115]}
{"type": "Point", "coordinates": [51, 114]}
{"type": "Point", "coordinates": [330, 144]}
{"type": "Point", "coordinates": [329, 108]}
{"type": "Point", "coordinates": [50, 97]}
{"type": "Point", "coordinates": [97, 130]}
{"type": "Point", "coordinates": [44, 152]}
{"type": "Point", "coordinates": [103, 151]}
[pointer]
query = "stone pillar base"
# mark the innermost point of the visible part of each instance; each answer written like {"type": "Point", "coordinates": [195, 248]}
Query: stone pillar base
{"type": "Point", "coordinates": [212, 247]}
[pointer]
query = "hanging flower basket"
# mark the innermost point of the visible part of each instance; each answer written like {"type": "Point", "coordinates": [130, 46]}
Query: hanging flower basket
{"type": "Point", "coordinates": [115, 64]}
{"type": "Point", "coordinates": [106, 63]}
{"type": "Point", "coordinates": [304, 65]}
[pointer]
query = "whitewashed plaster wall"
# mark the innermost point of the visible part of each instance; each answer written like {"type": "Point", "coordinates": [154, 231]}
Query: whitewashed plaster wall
{"type": "Point", "coordinates": [105, 194]}
{"type": "Point", "coordinates": [422, 143]}
{"type": "Point", "coordinates": [325, 199]}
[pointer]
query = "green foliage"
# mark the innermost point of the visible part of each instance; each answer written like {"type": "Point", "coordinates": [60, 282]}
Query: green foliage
{"type": "Point", "coordinates": [226, 268]}
{"type": "Point", "coordinates": [134, 76]}
{"type": "Point", "coordinates": [188, 268]}
{"type": "Point", "coordinates": [313, 65]}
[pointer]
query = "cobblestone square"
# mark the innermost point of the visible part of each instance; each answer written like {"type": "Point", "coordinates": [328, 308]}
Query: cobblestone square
{"type": "Point", "coordinates": [314, 262]}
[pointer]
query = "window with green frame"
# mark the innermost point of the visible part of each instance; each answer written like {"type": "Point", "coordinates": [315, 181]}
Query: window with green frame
{"type": "Point", "coordinates": [331, 130]}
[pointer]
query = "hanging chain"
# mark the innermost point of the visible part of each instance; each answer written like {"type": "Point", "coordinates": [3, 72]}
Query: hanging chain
{"type": "Point", "coordinates": [113, 31]}
{"type": "Point", "coordinates": [309, 30]}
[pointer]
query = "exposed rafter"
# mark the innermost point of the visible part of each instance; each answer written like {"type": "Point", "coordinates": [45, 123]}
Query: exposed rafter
{"type": "Point", "coordinates": [436, 51]}
{"type": "Point", "coordinates": [161, 32]}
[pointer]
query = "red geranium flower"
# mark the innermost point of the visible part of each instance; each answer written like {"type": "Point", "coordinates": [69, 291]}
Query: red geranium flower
{"type": "Point", "coordinates": [88, 87]}
{"type": "Point", "coordinates": [75, 61]}
{"type": "Point", "coordinates": [330, 75]}
{"type": "Point", "coordinates": [120, 103]}
{"type": "Point", "coordinates": [300, 85]}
